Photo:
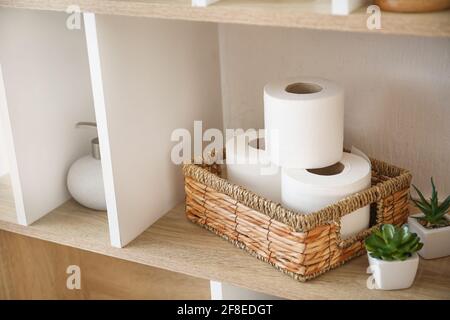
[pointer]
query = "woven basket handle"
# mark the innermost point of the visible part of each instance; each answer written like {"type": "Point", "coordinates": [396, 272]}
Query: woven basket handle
{"type": "Point", "coordinates": [351, 204]}
{"type": "Point", "coordinates": [345, 243]}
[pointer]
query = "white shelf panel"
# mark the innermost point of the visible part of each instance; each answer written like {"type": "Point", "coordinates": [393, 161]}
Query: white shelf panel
{"type": "Point", "coordinates": [149, 78]}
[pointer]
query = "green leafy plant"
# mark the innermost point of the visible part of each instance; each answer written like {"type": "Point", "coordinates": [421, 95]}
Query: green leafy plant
{"type": "Point", "coordinates": [434, 214]}
{"type": "Point", "coordinates": [392, 243]}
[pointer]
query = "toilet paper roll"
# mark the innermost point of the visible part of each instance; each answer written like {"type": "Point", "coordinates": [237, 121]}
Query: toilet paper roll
{"type": "Point", "coordinates": [304, 122]}
{"type": "Point", "coordinates": [249, 166]}
{"type": "Point", "coordinates": [308, 191]}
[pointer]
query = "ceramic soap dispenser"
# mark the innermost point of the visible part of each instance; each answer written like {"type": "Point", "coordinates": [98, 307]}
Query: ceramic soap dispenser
{"type": "Point", "coordinates": [85, 178]}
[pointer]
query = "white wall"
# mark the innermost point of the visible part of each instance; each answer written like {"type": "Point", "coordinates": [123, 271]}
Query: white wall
{"type": "Point", "coordinates": [397, 88]}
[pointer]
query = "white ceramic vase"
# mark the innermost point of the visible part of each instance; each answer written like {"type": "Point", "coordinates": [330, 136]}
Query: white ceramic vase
{"type": "Point", "coordinates": [85, 177]}
{"type": "Point", "coordinates": [436, 242]}
{"type": "Point", "coordinates": [393, 275]}
{"type": "Point", "coordinates": [85, 183]}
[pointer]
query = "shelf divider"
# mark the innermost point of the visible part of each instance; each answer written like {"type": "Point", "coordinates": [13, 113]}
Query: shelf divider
{"type": "Point", "coordinates": [149, 77]}
{"type": "Point", "coordinates": [102, 126]}
{"type": "Point", "coordinates": [9, 181]}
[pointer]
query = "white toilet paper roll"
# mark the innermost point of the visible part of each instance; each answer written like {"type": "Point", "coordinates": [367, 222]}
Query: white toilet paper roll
{"type": "Point", "coordinates": [308, 191]}
{"type": "Point", "coordinates": [249, 166]}
{"type": "Point", "coordinates": [304, 122]}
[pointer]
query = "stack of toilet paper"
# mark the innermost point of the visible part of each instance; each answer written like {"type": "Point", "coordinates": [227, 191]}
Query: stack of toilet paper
{"type": "Point", "coordinates": [299, 160]}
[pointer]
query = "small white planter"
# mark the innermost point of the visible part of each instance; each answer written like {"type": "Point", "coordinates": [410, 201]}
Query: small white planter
{"type": "Point", "coordinates": [436, 242]}
{"type": "Point", "coordinates": [393, 275]}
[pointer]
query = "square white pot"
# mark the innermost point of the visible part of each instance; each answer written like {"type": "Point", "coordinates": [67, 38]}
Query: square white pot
{"type": "Point", "coordinates": [393, 275]}
{"type": "Point", "coordinates": [436, 242]}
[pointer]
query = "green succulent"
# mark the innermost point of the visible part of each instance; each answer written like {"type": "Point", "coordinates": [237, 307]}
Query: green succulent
{"type": "Point", "coordinates": [434, 214]}
{"type": "Point", "coordinates": [391, 243]}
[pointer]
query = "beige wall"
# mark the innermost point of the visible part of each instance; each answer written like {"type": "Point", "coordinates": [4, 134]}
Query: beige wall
{"type": "Point", "coordinates": [397, 88]}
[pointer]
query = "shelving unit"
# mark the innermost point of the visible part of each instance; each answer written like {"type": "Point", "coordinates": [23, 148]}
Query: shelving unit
{"type": "Point", "coordinates": [135, 160]}
{"type": "Point", "coordinates": [175, 244]}
{"type": "Point", "coordinates": [280, 13]}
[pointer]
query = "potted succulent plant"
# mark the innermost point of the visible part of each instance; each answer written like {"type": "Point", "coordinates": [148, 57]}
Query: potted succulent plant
{"type": "Point", "coordinates": [392, 256]}
{"type": "Point", "coordinates": [432, 225]}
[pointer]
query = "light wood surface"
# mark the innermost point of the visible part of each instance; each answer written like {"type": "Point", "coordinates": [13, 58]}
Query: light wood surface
{"type": "Point", "coordinates": [175, 244]}
{"type": "Point", "coordinates": [36, 269]}
{"type": "Point", "coordinates": [149, 55]}
{"type": "Point", "coordinates": [286, 13]}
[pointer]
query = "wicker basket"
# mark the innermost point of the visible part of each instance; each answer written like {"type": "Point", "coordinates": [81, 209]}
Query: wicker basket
{"type": "Point", "coordinates": [303, 246]}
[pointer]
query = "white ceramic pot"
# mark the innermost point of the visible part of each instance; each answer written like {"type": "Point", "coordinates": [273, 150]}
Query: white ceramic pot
{"type": "Point", "coordinates": [393, 275]}
{"type": "Point", "coordinates": [436, 242]}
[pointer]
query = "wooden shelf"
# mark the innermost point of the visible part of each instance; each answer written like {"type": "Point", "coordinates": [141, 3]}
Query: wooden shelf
{"type": "Point", "coordinates": [175, 244]}
{"type": "Point", "coordinates": [283, 13]}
